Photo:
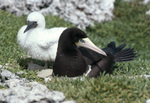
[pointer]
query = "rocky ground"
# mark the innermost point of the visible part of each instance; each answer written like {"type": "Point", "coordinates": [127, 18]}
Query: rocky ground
{"type": "Point", "coordinates": [20, 90]}
{"type": "Point", "coordinates": [79, 12]}
{"type": "Point", "coordinates": [82, 13]}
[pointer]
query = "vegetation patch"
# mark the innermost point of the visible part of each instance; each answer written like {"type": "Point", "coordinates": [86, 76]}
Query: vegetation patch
{"type": "Point", "coordinates": [130, 25]}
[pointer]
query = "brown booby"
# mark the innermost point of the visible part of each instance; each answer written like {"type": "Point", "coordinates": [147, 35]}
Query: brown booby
{"type": "Point", "coordinates": [75, 52]}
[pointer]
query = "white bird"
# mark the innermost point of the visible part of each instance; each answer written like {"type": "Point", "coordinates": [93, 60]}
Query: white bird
{"type": "Point", "coordinates": [40, 43]}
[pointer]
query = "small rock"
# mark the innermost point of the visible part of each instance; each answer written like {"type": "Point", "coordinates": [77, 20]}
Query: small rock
{"type": "Point", "coordinates": [1, 66]}
{"type": "Point", "coordinates": [146, 1]}
{"type": "Point", "coordinates": [57, 96]}
{"type": "Point", "coordinates": [45, 73]}
{"type": "Point", "coordinates": [20, 72]}
{"type": "Point", "coordinates": [148, 12]}
{"type": "Point", "coordinates": [47, 79]}
{"type": "Point", "coordinates": [71, 101]}
{"type": "Point", "coordinates": [147, 101]}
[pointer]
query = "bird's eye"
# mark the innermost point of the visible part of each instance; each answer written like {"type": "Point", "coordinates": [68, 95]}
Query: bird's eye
{"type": "Point", "coordinates": [34, 22]}
{"type": "Point", "coordinates": [82, 41]}
{"type": "Point", "coordinates": [76, 39]}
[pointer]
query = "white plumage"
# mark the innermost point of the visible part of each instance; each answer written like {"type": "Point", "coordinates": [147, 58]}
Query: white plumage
{"type": "Point", "coordinates": [40, 43]}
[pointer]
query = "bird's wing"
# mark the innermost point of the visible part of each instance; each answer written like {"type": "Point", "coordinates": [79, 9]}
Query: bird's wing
{"type": "Point", "coordinates": [46, 45]}
{"type": "Point", "coordinates": [51, 37]}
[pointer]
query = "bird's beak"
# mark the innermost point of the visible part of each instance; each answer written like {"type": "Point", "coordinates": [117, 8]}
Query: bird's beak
{"type": "Point", "coordinates": [87, 43]}
{"type": "Point", "coordinates": [32, 24]}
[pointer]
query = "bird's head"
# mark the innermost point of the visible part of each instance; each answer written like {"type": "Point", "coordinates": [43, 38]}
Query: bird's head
{"type": "Point", "coordinates": [35, 20]}
{"type": "Point", "coordinates": [80, 39]}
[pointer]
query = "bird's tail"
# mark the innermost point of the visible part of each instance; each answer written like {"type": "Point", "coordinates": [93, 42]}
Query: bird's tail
{"type": "Point", "coordinates": [122, 55]}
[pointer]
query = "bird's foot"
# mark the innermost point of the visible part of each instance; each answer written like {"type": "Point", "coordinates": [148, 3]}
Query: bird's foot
{"type": "Point", "coordinates": [46, 64]}
{"type": "Point", "coordinates": [32, 66]}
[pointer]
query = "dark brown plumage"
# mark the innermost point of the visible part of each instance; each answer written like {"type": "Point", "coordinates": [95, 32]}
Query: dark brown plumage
{"type": "Point", "coordinates": [73, 61]}
{"type": "Point", "coordinates": [69, 60]}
